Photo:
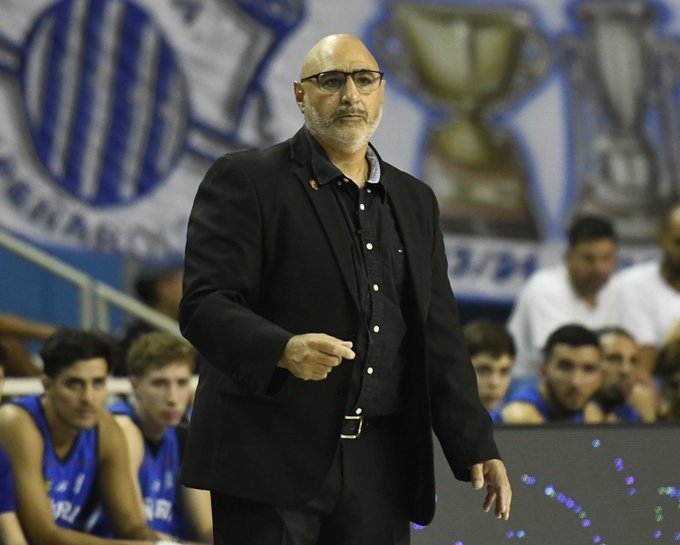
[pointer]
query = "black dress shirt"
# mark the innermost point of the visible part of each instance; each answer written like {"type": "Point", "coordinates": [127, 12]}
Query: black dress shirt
{"type": "Point", "coordinates": [378, 262]}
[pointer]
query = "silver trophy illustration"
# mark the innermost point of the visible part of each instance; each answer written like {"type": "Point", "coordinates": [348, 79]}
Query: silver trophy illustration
{"type": "Point", "coordinates": [623, 116]}
{"type": "Point", "coordinates": [470, 61]}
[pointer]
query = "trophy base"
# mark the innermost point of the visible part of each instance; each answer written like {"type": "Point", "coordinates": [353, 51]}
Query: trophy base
{"type": "Point", "coordinates": [637, 222]}
{"type": "Point", "coordinates": [487, 200]}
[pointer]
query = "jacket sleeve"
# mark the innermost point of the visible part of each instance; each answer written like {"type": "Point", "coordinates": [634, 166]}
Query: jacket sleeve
{"type": "Point", "coordinates": [459, 419]}
{"type": "Point", "coordinates": [222, 275]}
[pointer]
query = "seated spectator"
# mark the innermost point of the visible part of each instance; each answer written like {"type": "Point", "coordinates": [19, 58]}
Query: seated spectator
{"type": "Point", "coordinates": [576, 291]}
{"type": "Point", "coordinates": [14, 333]}
{"type": "Point", "coordinates": [668, 370]}
{"type": "Point", "coordinates": [160, 366]}
{"type": "Point", "coordinates": [623, 397]}
{"type": "Point", "coordinates": [571, 373]}
{"type": "Point", "coordinates": [65, 449]}
{"type": "Point", "coordinates": [650, 293]}
{"type": "Point", "coordinates": [491, 350]}
{"type": "Point", "coordinates": [159, 287]}
{"type": "Point", "coordinates": [10, 530]}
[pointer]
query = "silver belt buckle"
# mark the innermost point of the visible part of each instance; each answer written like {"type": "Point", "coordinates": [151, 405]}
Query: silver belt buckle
{"type": "Point", "coordinates": [356, 435]}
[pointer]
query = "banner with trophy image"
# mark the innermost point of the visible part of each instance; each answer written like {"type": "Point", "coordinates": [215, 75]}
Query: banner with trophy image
{"type": "Point", "coordinates": [518, 115]}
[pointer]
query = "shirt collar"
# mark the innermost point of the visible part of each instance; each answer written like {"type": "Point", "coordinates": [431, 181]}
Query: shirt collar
{"type": "Point", "coordinates": [325, 171]}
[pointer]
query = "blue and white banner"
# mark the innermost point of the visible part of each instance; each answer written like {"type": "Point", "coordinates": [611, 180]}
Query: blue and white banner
{"type": "Point", "coordinates": [518, 114]}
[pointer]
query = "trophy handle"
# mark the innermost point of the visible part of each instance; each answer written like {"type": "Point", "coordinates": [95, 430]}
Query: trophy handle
{"type": "Point", "coordinates": [390, 50]}
{"type": "Point", "coordinates": [534, 64]}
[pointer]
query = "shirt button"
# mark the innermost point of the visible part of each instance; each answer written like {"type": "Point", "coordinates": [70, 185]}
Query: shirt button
{"type": "Point", "coordinates": [369, 370]}
{"type": "Point", "coordinates": [375, 287]}
{"type": "Point", "coordinates": [376, 328]}
{"type": "Point", "coordinates": [368, 191]}
{"type": "Point", "coordinates": [339, 182]}
{"type": "Point", "coordinates": [369, 246]}
{"type": "Point", "coordinates": [358, 410]}
{"type": "Point", "coordinates": [362, 206]}
{"type": "Point", "coordinates": [345, 180]}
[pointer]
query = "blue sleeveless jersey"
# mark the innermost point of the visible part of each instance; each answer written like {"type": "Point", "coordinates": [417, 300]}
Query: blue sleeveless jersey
{"type": "Point", "coordinates": [7, 500]}
{"type": "Point", "coordinates": [532, 396]}
{"type": "Point", "coordinates": [70, 480]}
{"type": "Point", "coordinates": [158, 476]}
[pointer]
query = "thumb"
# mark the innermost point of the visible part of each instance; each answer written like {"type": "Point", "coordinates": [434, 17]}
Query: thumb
{"type": "Point", "coordinates": [477, 476]}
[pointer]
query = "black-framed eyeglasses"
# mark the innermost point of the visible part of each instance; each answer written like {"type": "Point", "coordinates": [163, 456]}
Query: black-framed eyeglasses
{"type": "Point", "coordinates": [366, 81]}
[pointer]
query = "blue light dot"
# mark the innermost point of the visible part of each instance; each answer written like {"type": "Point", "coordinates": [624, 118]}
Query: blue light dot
{"type": "Point", "coordinates": [586, 523]}
{"type": "Point", "coordinates": [597, 539]}
{"type": "Point", "coordinates": [570, 503]}
{"type": "Point", "coordinates": [632, 491]}
{"type": "Point", "coordinates": [459, 543]}
{"type": "Point", "coordinates": [630, 480]}
{"type": "Point", "coordinates": [531, 480]}
{"type": "Point", "coordinates": [520, 534]}
{"type": "Point", "coordinates": [578, 509]}
{"type": "Point", "coordinates": [510, 534]}
{"type": "Point", "coordinates": [677, 536]}
{"type": "Point", "coordinates": [417, 526]}
{"type": "Point", "coordinates": [658, 534]}
{"type": "Point", "coordinates": [549, 490]}
{"type": "Point", "coordinates": [596, 443]}
{"type": "Point", "coordinates": [561, 497]}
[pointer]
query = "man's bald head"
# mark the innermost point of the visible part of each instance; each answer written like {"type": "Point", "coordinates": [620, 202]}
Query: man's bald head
{"type": "Point", "coordinates": [337, 52]}
{"type": "Point", "coordinates": [343, 117]}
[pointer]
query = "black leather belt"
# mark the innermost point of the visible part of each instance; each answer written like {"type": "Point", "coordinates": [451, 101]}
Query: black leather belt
{"type": "Point", "coordinates": [354, 426]}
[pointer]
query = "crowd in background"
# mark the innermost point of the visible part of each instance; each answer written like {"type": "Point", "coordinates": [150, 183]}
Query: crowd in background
{"type": "Point", "coordinates": [584, 344]}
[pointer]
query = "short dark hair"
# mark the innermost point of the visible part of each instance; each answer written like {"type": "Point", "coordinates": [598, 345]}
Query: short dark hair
{"type": "Point", "coordinates": [614, 330]}
{"type": "Point", "coordinates": [488, 336]}
{"type": "Point", "coordinates": [668, 359]}
{"type": "Point", "coordinates": [572, 335]}
{"type": "Point", "coordinates": [67, 346]}
{"type": "Point", "coordinates": [586, 228]}
{"type": "Point", "coordinates": [153, 273]}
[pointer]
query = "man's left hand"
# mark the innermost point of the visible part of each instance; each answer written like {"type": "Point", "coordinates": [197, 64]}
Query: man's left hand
{"type": "Point", "coordinates": [493, 474]}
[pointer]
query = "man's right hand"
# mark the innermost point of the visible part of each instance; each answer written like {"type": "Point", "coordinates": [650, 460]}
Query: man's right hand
{"type": "Point", "coordinates": [313, 355]}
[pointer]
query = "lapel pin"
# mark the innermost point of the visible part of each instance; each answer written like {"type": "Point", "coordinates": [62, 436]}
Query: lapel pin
{"type": "Point", "coordinates": [314, 184]}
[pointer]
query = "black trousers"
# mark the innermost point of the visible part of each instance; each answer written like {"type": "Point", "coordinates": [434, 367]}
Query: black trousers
{"type": "Point", "coordinates": [362, 502]}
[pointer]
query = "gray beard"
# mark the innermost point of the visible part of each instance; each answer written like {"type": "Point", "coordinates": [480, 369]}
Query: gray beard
{"type": "Point", "coordinates": [349, 140]}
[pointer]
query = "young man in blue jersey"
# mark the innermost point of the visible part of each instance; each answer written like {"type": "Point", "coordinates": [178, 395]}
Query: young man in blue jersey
{"type": "Point", "coordinates": [623, 396]}
{"type": "Point", "coordinates": [492, 352]}
{"type": "Point", "coordinates": [10, 529]}
{"type": "Point", "coordinates": [66, 450]}
{"type": "Point", "coordinates": [160, 367]}
{"type": "Point", "coordinates": [571, 374]}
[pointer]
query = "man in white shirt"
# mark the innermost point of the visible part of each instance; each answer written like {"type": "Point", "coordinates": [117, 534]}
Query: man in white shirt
{"type": "Point", "coordinates": [575, 291]}
{"type": "Point", "coordinates": [650, 293]}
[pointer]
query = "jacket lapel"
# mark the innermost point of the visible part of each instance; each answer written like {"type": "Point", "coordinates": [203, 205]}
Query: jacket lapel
{"type": "Point", "coordinates": [418, 259]}
{"type": "Point", "coordinates": [328, 212]}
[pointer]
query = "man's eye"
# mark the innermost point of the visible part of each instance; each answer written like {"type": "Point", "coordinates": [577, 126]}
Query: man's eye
{"type": "Point", "coordinates": [332, 81]}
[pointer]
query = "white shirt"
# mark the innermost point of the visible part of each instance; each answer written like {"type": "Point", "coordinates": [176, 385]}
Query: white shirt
{"type": "Point", "coordinates": [546, 302]}
{"type": "Point", "coordinates": [650, 306]}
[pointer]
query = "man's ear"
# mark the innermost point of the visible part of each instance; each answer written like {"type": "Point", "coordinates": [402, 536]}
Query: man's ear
{"type": "Point", "coordinates": [299, 95]}
{"type": "Point", "coordinates": [134, 382]}
{"type": "Point", "coordinates": [46, 382]}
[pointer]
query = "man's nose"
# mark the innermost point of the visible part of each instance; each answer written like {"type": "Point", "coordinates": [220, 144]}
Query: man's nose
{"type": "Point", "coordinates": [350, 93]}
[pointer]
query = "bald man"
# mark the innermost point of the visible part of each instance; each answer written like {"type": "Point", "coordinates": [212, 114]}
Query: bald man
{"type": "Point", "coordinates": [316, 292]}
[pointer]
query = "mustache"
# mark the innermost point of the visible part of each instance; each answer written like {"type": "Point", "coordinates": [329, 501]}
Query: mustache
{"type": "Point", "coordinates": [349, 111]}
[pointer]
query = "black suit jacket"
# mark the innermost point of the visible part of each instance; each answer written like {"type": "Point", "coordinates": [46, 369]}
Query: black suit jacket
{"type": "Point", "coordinates": [268, 256]}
